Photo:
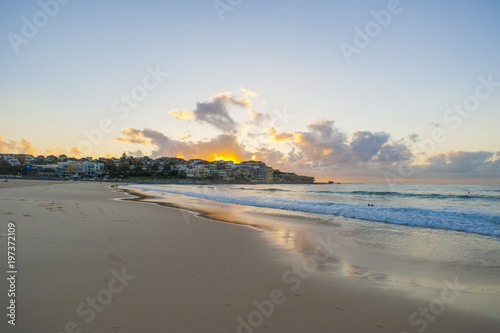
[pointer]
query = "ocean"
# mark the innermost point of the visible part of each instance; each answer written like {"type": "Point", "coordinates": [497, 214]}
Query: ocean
{"type": "Point", "coordinates": [467, 208]}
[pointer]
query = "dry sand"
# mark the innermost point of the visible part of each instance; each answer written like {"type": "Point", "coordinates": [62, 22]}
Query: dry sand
{"type": "Point", "coordinates": [150, 268]}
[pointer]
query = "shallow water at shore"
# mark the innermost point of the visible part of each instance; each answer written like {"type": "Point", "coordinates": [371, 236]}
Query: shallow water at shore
{"type": "Point", "coordinates": [465, 208]}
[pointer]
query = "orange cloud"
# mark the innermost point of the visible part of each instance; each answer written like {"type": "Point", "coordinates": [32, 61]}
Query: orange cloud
{"type": "Point", "coordinates": [185, 136]}
{"type": "Point", "coordinates": [181, 114]}
{"type": "Point", "coordinates": [279, 137]}
{"type": "Point", "coordinates": [224, 145]}
{"type": "Point", "coordinates": [226, 97]}
{"type": "Point", "coordinates": [134, 136]}
{"type": "Point", "coordinates": [56, 152]}
{"type": "Point", "coordinates": [75, 151]}
{"type": "Point", "coordinates": [21, 147]}
{"type": "Point", "coordinates": [248, 92]}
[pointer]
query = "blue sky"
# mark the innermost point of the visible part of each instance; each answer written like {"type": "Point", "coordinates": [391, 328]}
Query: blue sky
{"type": "Point", "coordinates": [428, 57]}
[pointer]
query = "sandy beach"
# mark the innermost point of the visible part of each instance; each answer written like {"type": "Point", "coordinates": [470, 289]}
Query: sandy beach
{"type": "Point", "coordinates": [90, 262]}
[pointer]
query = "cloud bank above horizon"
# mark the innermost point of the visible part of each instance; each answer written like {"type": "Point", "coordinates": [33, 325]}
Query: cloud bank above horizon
{"type": "Point", "coordinates": [322, 150]}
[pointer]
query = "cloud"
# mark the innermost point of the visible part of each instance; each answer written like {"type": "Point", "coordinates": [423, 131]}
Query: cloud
{"type": "Point", "coordinates": [413, 137]}
{"type": "Point", "coordinates": [215, 112]}
{"type": "Point", "coordinates": [181, 114]}
{"type": "Point", "coordinates": [228, 98]}
{"type": "Point", "coordinates": [248, 93]}
{"type": "Point", "coordinates": [326, 150]}
{"type": "Point", "coordinates": [21, 147]}
{"type": "Point", "coordinates": [272, 157]}
{"type": "Point", "coordinates": [25, 147]}
{"type": "Point", "coordinates": [134, 136]}
{"type": "Point", "coordinates": [222, 145]}
{"type": "Point", "coordinates": [323, 145]}
{"type": "Point", "coordinates": [7, 146]}
{"type": "Point", "coordinates": [459, 162]}
{"type": "Point", "coordinates": [136, 153]}
{"type": "Point", "coordinates": [367, 144]}
{"type": "Point", "coordinates": [75, 151]}
{"type": "Point", "coordinates": [56, 152]}
{"type": "Point", "coordinates": [394, 152]}
{"type": "Point", "coordinates": [258, 118]}
{"type": "Point", "coordinates": [279, 137]}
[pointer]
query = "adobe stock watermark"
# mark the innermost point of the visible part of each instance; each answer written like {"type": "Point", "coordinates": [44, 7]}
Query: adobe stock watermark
{"type": "Point", "coordinates": [187, 215]}
{"type": "Point", "coordinates": [122, 107]}
{"type": "Point", "coordinates": [103, 297]}
{"type": "Point", "coordinates": [282, 117]}
{"type": "Point", "coordinates": [427, 314]}
{"type": "Point", "coordinates": [278, 119]}
{"type": "Point", "coordinates": [454, 116]}
{"type": "Point", "coordinates": [471, 103]}
{"type": "Point", "coordinates": [31, 27]}
{"type": "Point", "coordinates": [293, 279]}
{"type": "Point", "coordinates": [223, 6]}
{"type": "Point", "coordinates": [373, 28]}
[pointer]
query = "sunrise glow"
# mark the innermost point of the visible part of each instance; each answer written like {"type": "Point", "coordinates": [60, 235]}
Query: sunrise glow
{"type": "Point", "coordinates": [226, 157]}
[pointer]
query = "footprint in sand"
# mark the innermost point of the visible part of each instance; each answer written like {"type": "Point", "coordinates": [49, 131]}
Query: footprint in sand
{"type": "Point", "coordinates": [52, 206]}
{"type": "Point", "coordinates": [113, 257]}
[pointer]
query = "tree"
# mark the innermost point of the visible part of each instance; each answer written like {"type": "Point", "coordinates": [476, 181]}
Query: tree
{"type": "Point", "coordinates": [214, 178]}
{"type": "Point", "coordinates": [172, 174]}
{"type": "Point", "coordinates": [5, 167]}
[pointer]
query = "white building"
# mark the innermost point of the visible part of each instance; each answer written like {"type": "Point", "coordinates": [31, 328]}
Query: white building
{"type": "Point", "coordinates": [179, 167]}
{"type": "Point", "coordinates": [190, 173]}
{"type": "Point", "coordinates": [11, 159]}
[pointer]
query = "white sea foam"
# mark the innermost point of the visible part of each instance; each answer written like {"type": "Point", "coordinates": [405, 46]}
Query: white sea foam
{"type": "Point", "coordinates": [404, 211]}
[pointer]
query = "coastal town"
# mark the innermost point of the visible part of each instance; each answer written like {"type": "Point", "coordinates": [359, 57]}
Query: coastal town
{"type": "Point", "coordinates": [144, 169]}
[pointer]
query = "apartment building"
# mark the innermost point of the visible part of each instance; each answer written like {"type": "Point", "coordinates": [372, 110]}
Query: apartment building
{"type": "Point", "coordinates": [11, 159]}
{"type": "Point", "coordinates": [18, 159]}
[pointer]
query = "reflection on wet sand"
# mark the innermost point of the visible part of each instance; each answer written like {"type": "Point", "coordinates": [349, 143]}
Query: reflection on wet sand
{"type": "Point", "coordinates": [413, 261]}
{"type": "Point", "coordinates": [302, 240]}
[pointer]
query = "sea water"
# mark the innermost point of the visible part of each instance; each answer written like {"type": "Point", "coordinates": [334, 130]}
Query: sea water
{"type": "Point", "coordinates": [468, 208]}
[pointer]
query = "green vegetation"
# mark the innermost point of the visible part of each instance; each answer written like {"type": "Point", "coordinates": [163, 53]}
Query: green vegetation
{"type": "Point", "coordinates": [7, 169]}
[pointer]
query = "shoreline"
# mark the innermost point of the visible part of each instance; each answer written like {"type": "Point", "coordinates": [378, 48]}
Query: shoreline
{"type": "Point", "coordinates": [409, 181]}
{"type": "Point", "coordinates": [189, 275]}
{"type": "Point", "coordinates": [344, 264]}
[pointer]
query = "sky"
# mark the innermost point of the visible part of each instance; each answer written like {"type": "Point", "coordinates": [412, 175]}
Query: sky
{"type": "Point", "coordinates": [339, 90]}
